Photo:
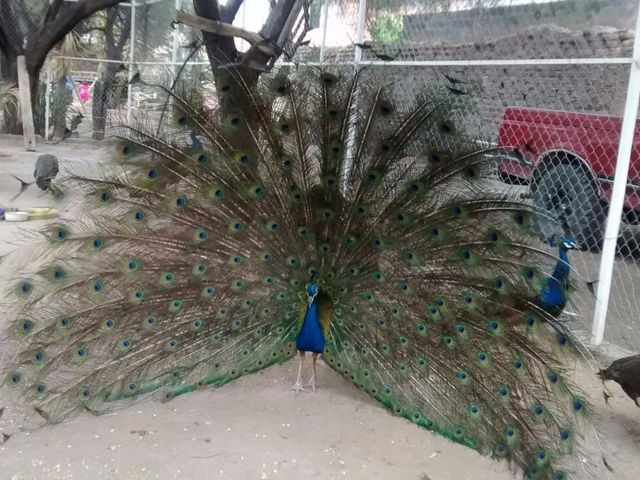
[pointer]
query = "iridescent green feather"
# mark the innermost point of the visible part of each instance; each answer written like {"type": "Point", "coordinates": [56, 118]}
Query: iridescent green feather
{"type": "Point", "coordinates": [190, 268]}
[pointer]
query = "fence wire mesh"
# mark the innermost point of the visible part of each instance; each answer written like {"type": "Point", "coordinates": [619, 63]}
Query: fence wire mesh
{"type": "Point", "coordinates": [547, 83]}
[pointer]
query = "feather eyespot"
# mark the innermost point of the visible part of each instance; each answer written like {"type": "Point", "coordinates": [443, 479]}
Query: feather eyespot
{"type": "Point", "coordinates": [26, 326]}
{"type": "Point", "coordinates": [61, 234]}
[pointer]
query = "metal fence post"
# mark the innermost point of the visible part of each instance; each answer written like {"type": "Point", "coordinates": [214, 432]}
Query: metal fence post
{"type": "Point", "coordinates": [47, 101]}
{"type": "Point", "coordinates": [325, 23]}
{"type": "Point", "coordinates": [351, 139]}
{"type": "Point", "coordinates": [132, 48]}
{"type": "Point", "coordinates": [176, 38]}
{"type": "Point", "coordinates": [614, 218]}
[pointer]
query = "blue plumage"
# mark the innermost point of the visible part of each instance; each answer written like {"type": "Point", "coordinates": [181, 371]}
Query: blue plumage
{"type": "Point", "coordinates": [553, 296]}
{"type": "Point", "coordinates": [195, 142]}
{"type": "Point", "coordinates": [311, 338]}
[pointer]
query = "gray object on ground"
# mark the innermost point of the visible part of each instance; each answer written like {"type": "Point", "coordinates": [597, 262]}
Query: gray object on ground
{"type": "Point", "coordinates": [46, 170]}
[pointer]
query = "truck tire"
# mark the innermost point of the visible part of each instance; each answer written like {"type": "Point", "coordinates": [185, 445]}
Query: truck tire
{"type": "Point", "coordinates": [568, 189]}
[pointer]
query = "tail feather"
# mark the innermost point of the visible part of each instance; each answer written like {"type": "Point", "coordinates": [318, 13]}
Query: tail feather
{"type": "Point", "coordinates": [191, 269]}
{"type": "Point", "coordinates": [23, 186]}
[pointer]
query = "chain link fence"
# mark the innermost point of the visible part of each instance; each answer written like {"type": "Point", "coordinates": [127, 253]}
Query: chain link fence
{"type": "Point", "coordinates": [547, 83]}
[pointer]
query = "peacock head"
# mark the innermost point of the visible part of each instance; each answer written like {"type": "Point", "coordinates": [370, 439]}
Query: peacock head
{"type": "Point", "coordinates": [312, 288]}
{"type": "Point", "coordinates": [568, 243]}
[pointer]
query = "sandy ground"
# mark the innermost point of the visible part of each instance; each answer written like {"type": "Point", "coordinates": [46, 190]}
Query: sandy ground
{"type": "Point", "coordinates": [257, 427]}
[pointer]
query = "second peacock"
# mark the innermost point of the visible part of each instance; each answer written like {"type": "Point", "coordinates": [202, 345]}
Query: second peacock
{"type": "Point", "coordinates": [316, 213]}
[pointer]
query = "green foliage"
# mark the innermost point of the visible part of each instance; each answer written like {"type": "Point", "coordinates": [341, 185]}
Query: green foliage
{"type": "Point", "coordinates": [8, 96]}
{"type": "Point", "coordinates": [387, 27]}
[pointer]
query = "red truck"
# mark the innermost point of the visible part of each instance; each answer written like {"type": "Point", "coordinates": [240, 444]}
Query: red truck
{"type": "Point", "coordinates": [568, 161]}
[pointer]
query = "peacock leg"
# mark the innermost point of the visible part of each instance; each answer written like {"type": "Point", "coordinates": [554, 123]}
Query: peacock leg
{"type": "Point", "coordinates": [298, 385]}
{"type": "Point", "coordinates": [312, 380]}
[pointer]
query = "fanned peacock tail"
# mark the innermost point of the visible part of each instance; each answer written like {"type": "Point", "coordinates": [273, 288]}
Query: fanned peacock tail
{"type": "Point", "coordinates": [191, 264]}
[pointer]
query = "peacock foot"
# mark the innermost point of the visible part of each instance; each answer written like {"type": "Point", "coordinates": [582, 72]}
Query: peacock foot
{"type": "Point", "coordinates": [297, 387]}
{"type": "Point", "coordinates": [312, 383]}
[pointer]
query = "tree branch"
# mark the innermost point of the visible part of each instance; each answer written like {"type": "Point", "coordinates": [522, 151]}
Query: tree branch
{"type": "Point", "coordinates": [9, 29]}
{"type": "Point", "coordinates": [278, 26]}
{"type": "Point", "coordinates": [219, 49]}
{"type": "Point", "coordinates": [52, 11]}
{"type": "Point", "coordinates": [221, 29]}
{"type": "Point", "coordinates": [230, 10]}
{"type": "Point", "coordinates": [125, 30]}
{"type": "Point", "coordinates": [54, 31]}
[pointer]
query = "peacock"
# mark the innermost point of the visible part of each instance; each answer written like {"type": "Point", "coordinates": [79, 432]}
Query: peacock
{"type": "Point", "coordinates": [321, 214]}
{"type": "Point", "coordinates": [554, 294]}
{"type": "Point", "coordinates": [626, 372]}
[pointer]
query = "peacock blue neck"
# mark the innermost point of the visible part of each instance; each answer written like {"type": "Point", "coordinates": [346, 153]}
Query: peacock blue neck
{"type": "Point", "coordinates": [562, 269]}
{"type": "Point", "coordinates": [310, 337]}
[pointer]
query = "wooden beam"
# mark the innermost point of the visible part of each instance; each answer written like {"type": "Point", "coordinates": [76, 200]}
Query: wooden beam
{"type": "Point", "coordinates": [28, 132]}
{"type": "Point", "coordinates": [224, 30]}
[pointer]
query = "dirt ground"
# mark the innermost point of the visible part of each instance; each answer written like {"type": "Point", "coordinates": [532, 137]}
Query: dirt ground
{"type": "Point", "coordinates": [257, 427]}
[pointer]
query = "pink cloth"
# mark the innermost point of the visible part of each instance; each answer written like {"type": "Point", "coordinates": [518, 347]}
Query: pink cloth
{"type": "Point", "coordinates": [84, 92]}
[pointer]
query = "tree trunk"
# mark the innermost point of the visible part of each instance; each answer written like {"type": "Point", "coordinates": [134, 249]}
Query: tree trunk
{"type": "Point", "coordinates": [60, 122]}
{"type": "Point", "coordinates": [9, 67]}
{"type": "Point", "coordinates": [102, 93]}
{"type": "Point", "coordinates": [99, 110]}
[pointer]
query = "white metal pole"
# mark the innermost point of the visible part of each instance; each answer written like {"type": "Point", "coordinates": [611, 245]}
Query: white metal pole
{"type": "Point", "coordinates": [617, 195]}
{"type": "Point", "coordinates": [325, 18]}
{"type": "Point", "coordinates": [243, 44]}
{"type": "Point", "coordinates": [132, 48]}
{"type": "Point", "coordinates": [362, 11]}
{"type": "Point", "coordinates": [47, 102]}
{"type": "Point", "coordinates": [176, 39]}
